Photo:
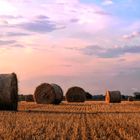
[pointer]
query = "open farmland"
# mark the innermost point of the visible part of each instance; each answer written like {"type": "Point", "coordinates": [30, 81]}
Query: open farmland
{"type": "Point", "coordinates": [70, 121]}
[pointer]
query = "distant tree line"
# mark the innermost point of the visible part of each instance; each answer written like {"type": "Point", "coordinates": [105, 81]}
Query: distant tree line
{"type": "Point", "coordinates": [89, 96]}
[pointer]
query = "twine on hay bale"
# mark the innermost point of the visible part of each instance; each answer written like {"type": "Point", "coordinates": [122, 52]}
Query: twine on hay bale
{"type": "Point", "coordinates": [75, 94]}
{"type": "Point", "coordinates": [113, 97]}
{"type": "Point", "coordinates": [29, 98]}
{"type": "Point", "coordinates": [8, 92]}
{"type": "Point", "coordinates": [48, 94]}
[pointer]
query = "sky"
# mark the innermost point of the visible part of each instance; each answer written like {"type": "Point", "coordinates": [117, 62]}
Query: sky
{"type": "Point", "coordinates": [94, 44]}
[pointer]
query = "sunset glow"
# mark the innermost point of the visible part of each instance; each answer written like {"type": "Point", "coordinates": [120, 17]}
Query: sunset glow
{"type": "Point", "coordinates": [94, 44]}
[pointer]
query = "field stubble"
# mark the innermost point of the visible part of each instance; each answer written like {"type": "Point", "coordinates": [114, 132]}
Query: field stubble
{"type": "Point", "coordinates": [74, 121]}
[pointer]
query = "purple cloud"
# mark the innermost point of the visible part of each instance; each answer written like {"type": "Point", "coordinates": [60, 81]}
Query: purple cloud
{"type": "Point", "coordinates": [40, 26]}
{"type": "Point", "coordinates": [42, 17]}
{"type": "Point", "coordinates": [7, 42]}
{"type": "Point", "coordinates": [109, 53]}
{"type": "Point", "coordinates": [16, 34]}
{"type": "Point", "coordinates": [9, 17]}
{"type": "Point", "coordinates": [18, 46]}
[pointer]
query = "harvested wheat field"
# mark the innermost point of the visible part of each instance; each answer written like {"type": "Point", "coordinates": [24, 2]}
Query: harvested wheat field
{"type": "Point", "coordinates": [72, 121]}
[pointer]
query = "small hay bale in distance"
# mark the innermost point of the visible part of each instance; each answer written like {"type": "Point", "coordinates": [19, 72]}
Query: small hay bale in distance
{"type": "Point", "coordinates": [137, 95]}
{"type": "Point", "coordinates": [8, 92]}
{"type": "Point", "coordinates": [113, 96]}
{"type": "Point", "coordinates": [48, 94]}
{"type": "Point", "coordinates": [29, 98]}
{"type": "Point", "coordinates": [21, 97]}
{"type": "Point", "coordinates": [130, 99]}
{"type": "Point", "coordinates": [75, 94]}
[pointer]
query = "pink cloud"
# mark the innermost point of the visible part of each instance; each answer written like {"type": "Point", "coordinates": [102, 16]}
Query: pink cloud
{"type": "Point", "coordinates": [132, 35]}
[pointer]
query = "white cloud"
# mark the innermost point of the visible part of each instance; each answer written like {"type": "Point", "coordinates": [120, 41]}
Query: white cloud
{"type": "Point", "coordinates": [61, 11]}
{"type": "Point", "coordinates": [107, 2]}
{"type": "Point", "coordinates": [78, 18]}
{"type": "Point", "coordinates": [134, 89]}
{"type": "Point", "coordinates": [132, 35]}
{"type": "Point", "coordinates": [67, 1]}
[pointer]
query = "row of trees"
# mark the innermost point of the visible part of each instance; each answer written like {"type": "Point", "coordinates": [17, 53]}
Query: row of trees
{"type": "Point", "coordinates": [136, 96]}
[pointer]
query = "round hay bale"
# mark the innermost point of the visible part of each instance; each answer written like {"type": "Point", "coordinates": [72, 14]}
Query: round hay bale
{"type": "Point", "coordinates": [29, 98]}
{"type": "Point", "coordinates": [113, 97]}
{"type": "Point", "coordinates": [137, 95]}
{"type": "Point", "coordinates": [75, 94]}
{"type": "Point", "coordinates": [48, 94]}
{"type": "Point", "coordinates": [8, 92]}
{"type": "Point", "coordinates": [58, 93]}
{"type": "Point", "coordinates": [130, 98]}
{"type": "Point", "coordinates": [88, 96]}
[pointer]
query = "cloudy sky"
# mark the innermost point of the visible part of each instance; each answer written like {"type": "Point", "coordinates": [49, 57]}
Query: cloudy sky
{"type": "Point", "coordinates": [94, 44]}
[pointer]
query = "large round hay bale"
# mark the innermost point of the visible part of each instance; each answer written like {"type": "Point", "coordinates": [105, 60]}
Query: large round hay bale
{"type": "Point", "coordinates": [75, 94]}
{"type": "Point", "coordinates": [8, 92]}
{"type": "Point", "coordinates": [48, 94]}
{"type": "Point", "coordinates": [130, 98]}
{"type": "Point", "coordinates": [113, 97]}
{"type": "Point", "coordinates": [29, 98]}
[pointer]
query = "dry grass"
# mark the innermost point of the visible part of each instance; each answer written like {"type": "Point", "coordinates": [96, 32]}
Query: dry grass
{"type": "Point", "coordinates": [71, 121]}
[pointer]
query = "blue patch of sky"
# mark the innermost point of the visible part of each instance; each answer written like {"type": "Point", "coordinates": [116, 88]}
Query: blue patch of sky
{"type": "Point", "coordinates": [92, 1]}
{"type": "Point", "coordinates": [127, 10]}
